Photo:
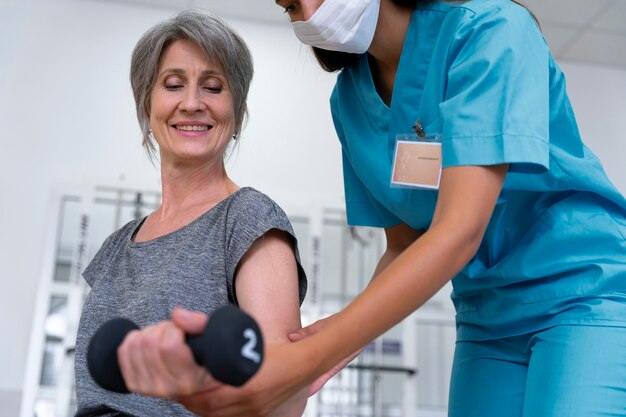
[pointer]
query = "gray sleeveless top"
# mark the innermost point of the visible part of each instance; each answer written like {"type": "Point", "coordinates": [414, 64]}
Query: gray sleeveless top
{"type": "Point", "coordinates": [192, 267]}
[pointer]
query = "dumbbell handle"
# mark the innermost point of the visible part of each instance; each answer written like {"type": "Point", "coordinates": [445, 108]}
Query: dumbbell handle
{"type": "Point", "coordinates": [231, 348]}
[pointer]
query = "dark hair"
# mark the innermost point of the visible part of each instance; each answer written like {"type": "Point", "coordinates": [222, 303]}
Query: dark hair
{"type": "Point", "coordinates": [332, 61]}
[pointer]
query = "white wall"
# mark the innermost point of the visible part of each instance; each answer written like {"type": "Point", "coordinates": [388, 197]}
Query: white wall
{"type": "Point", "coordinates": [67, 117]}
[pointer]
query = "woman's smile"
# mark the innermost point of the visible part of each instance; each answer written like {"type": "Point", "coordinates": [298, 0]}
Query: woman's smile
{"type": "Point", "coordinates": [192, 129]}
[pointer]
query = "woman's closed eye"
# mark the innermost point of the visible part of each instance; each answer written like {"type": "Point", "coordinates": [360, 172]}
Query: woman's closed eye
{"type": "Point", "coordinates": [173, 83]}
{"type": "Point", "coordinates": [213, 87]}
{"type": "Point", "coordinates": [173, 87]}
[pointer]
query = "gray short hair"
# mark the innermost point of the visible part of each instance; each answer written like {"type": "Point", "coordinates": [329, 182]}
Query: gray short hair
{"type": "Point", "coordinates": [218, 41]}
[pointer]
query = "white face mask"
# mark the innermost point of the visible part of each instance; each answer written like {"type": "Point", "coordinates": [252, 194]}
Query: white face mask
{"type": "Point", "coordinates": [340, 25]}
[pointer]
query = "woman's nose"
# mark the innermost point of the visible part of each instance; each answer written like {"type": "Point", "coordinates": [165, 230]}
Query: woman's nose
{"type": "Point", "coordinates": [191, 101]}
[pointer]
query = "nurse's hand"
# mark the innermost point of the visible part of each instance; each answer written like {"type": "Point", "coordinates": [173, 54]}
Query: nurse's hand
{"type": "Point", "coordinates": [156, 361]}
{"type": "Point", "coordinates": [311, 330]}
{"type": "Point", "coordinates": [284, 373]}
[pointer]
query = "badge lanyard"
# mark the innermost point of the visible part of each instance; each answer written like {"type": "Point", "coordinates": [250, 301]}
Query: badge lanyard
{"type": "Point", "coordinates": [417, 160]}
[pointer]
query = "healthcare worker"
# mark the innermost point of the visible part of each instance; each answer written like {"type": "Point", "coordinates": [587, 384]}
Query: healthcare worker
{"type": "Point", "coordinates": [521, 218]}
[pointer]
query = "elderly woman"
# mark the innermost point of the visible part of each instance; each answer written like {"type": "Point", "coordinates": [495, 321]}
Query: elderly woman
{"type": "Point", "coordinates": [209, 244]}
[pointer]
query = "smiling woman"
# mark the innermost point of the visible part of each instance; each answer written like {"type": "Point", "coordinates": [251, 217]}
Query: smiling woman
{"type": "Point", "coordinates": [209, 244]}
{"type": "Point", "coordinates": [231, 65]}
{"type": "Point", "coordinates": [191, 114]}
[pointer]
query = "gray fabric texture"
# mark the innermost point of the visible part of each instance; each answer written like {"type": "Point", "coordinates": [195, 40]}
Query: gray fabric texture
{"type": "Point", "coordinates": [192, 267]}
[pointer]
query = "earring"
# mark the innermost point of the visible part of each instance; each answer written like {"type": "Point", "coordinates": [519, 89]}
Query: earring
{"type": "Point", "coordinates": [235, 135]}
{"type": "Point", "coordinates": [151, 135]}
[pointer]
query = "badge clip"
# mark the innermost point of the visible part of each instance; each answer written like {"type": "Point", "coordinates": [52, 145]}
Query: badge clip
{"type": "Point", "coordinates": [419, 129]}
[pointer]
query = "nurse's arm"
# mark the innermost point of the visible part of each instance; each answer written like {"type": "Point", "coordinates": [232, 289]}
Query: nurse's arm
{"type": "Point", "coordinates": [399, 237]}
{"type": "Point", "coordinates": [465, 204]}
{"type": "Point", "coordinates": [466, 200]}
{"type": "Point", "coordinates": [467, 197]}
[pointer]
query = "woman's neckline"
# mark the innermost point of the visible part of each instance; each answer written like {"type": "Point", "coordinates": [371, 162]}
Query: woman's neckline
{"type": "Point", "coordinates": [133, 243]}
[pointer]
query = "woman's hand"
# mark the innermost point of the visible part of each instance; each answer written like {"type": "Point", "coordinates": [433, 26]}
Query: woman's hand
{"type": "Point", "coordinates": [311, 330]}
{"type": "Point", "coordinates": [156, 361]}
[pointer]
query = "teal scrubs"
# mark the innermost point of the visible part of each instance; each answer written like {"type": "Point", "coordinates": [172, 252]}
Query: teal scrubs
{"type": "Point", "coordinates": [480, 73]}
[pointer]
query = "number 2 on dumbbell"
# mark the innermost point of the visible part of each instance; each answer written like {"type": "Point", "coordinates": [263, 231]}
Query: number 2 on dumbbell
{"type": "Point", "coordinates": [247, 351]}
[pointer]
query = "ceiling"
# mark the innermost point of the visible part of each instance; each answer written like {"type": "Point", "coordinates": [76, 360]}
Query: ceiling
{"type": "Point", "coordinates": [590, 31]}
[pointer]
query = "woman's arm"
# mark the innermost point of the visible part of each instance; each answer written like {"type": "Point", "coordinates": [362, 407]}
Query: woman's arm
{"type": "Point", "coordinates": [155, 360]}
{"type": "Point", "coordinates": [267, 288]}
{"type": "Point", "coordinates": [466, 201]}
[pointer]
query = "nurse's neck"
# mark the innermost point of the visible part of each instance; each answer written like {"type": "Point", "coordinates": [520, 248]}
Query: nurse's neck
{"type": "Point", "coordinates": [386, 47]}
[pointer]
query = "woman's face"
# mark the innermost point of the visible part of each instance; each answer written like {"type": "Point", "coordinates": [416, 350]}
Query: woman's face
{"type": "Point", "coordinates": [299, 10]}
{"type": "Point", "coordinates": [192, 112]}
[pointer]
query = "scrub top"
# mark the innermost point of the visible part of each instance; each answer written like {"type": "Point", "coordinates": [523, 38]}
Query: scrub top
{"type": "Point", "coordinates": [480, 74]}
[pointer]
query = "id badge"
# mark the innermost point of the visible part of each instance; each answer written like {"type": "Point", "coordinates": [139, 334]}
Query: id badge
{"type": "Point", "coordinates": [417, 162]}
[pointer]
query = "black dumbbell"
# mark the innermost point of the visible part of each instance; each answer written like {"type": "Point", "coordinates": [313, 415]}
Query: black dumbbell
{"type": "Point", "coordinates": [231, 348]}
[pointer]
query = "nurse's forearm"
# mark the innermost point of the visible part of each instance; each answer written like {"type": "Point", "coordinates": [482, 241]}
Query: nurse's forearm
{"type": "Point", "coordinates": [399, 238]}
{"type": "Point", "coordinates": [294, 407]}
{"type": "Point", "coordinates": [395, 247]}
{"type": "Point", "coordinates": [404, 285]}
{"type": "Point", "coordinates": [385, 260]}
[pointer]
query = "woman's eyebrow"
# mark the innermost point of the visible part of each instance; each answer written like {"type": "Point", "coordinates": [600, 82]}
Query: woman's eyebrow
{"type": "Point", "coordinates": [205, 73]}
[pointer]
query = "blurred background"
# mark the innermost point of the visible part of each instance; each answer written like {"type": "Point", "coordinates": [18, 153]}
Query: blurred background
{"type": "Point", "coordinates": [73, 171]}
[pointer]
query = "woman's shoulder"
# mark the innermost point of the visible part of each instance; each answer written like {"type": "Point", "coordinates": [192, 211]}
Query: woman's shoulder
{"type": "Point", "coordinates": [249, 196]}
{"type": "Point", "coordinates": [251, 213]}
{"type": "Point", "coordinates": [254, 204]}
{"type": "Point", "coordinates": [109, 248]}
{"type": "Point", "coordinates": [123, 234]}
